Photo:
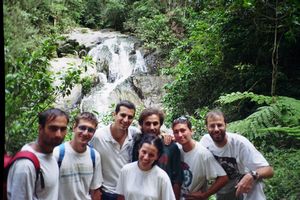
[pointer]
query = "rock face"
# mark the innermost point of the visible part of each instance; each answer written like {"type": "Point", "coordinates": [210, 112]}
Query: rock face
{"type": "Point", "coordinates": [149, 88]}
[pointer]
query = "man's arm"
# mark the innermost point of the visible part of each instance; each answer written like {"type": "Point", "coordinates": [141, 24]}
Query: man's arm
{"type": "Point", "coordinates": [167, 139]}
{"type": "Point", "coordinates": [177, 190]}
{"type": "Point", "coordinates": [265, 172]}
{"type": "Point", "coordinates": [177, 174]}
{"type": "Point", "coordinates": [216, 186]}
{"type": "Point", "coordinates": [246, 183]}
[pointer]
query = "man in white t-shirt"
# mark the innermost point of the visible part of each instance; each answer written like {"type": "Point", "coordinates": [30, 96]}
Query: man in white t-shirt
{"type": "Point", "coordinates": [80, 174]}
{"type": "Point", "coordinates": [198, 164]}
{"type": "Point", "coordinates": [22, 182]}
{"type": "Point", "coordinates": [114, 143]}
{"type": "Point", "coordinates": [244, 164]}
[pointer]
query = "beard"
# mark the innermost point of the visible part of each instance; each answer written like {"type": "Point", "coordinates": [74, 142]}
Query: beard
{"type": "Point", "coordinates": [218, 137]}
{"type": "Point", "coordinates": [54, 142]}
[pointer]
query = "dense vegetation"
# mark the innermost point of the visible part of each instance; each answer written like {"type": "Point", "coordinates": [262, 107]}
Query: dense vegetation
{"type": "Point", "coordinates": [242, 56]}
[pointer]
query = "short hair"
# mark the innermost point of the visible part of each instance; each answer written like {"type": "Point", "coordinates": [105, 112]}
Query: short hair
{"type": "Point", "coordinates": [182, 120]}
{"type": "Point", "coordinates": [153, 140]}
{"type": "Point", "coordinates": [215, 112]}
{"type": "Point", "coordinates": [88, 116]}
{"type": "Point", "coordinates": [51, 114]}
{"type": "Point", "coordinates": [126, 104]}
{"type": "Point", "coordinates": [151, 111]}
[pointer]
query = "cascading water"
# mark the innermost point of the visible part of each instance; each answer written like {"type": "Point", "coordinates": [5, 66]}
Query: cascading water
{"type": "Point", "coordinates": [116, 60]}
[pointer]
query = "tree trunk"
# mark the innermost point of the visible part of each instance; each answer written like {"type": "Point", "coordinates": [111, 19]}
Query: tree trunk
{"type": "Point", "coordinates": [275, 55]}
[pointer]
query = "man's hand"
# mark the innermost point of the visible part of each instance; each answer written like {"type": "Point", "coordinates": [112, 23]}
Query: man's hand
{"type": "Point", "coordinates": [96, 194]}
{"type": "Point", "coordinates": [195, 196]}
{"type": "Point", "coordinates": [245, 185]}
{"type": "Point", "coordinates": [167, 139]}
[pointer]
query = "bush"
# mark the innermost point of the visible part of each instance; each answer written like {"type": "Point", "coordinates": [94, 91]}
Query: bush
{"type": "Point", "coordinates": [284, 184]}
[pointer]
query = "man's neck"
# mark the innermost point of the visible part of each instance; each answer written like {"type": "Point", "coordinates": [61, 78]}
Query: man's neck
{"type": "Point", "coordinates": [189, 146]}
{"type": "Point", "coordinates": [77, 147]}
{"type": "Point", "coordinates": [37, 146]}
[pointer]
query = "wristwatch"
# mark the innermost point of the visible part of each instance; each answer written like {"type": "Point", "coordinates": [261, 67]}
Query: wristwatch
{"type": "Point", "coordinates": [255, 175]}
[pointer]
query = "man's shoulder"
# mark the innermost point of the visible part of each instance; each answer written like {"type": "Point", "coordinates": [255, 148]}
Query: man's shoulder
{"type": "Point", "coordinates": [102, 132]}
{"type": "Point", "coordinates": [28, 147]}
{"type": "Point", "coordinates": [206, 140]}
{"type": "Point", "coordinates": [202, 150]}
{"type": "Point", "coordinates": [206, 136]}
{"type": "Point", "coordinates": [237, 138]}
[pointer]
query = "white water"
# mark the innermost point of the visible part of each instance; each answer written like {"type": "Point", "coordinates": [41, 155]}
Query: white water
{"type": "Point", "coordinates": [116, 53]}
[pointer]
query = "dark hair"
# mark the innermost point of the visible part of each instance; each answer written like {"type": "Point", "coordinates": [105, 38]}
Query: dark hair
{"type": "Point", "coordinates": [154, 140]}
{"type": "Point", "coordinates": [86, 116]}
{"type": "Point", "coordinates": [126, 104]}
{"type": "Point", "coordinates": [215, 112]}
{"type": "Point", "coordinates": [151, 111]}
{"type": "Point", "coordinates": [51, 114]}
{"type": "Point", "coordinates": [182, 120]}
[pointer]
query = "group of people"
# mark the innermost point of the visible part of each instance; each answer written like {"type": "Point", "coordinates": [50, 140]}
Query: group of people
{"type": "Point", "coordinates": [120, 161]}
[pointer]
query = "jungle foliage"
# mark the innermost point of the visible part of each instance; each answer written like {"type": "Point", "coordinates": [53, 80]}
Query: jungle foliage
{"type": "Point", "coordinates": [242, 56]}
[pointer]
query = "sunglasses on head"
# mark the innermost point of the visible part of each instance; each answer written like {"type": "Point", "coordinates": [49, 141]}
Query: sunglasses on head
{"type": "Point", "coordinates": [181, 118]}
{"type": "Point", "coordinates": [84, 128]}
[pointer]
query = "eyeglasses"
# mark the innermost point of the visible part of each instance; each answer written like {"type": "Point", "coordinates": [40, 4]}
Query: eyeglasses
{"type": "Point", "coordinates": [84, 128]}
{"type": "Point", "coordinates": [54, 128]}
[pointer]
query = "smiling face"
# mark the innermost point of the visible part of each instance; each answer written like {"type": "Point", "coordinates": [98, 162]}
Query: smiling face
{"type": "Point", "coordinates": [124, 118]}
{"type": "Point", "coordinates": [148, 154]}
{"type": "Point", "coordinates": [151, 124]}
{"type": "Point", "coordinates": [216, 127]}
{"type": "Point", "coordinates": [182, 133]}
{"type": "Point", "coordinates": [83, 132]}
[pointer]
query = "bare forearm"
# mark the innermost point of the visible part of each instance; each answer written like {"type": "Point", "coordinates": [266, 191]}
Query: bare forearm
{"type": "Point", "coordinates": [265, 172]}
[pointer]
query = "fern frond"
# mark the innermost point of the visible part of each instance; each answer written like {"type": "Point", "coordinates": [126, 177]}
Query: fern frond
{"type": "Point", "coordinates": [291, 131]}
{"type": "Point", "coordinates": [236, 96]}
{"type": "Point", "coordinates": [278, 118]}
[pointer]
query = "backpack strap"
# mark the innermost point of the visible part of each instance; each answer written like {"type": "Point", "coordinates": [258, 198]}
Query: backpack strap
{"type": "Point", "coordinates": [26, 154]}
{"type": "Point", "coordinates": [61, 154]}
{"type": "Point", "coordinates": [92, 152]}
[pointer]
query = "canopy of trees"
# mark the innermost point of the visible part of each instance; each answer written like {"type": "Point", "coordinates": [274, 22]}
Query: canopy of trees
{"type": "Point", "coordinates": [242, 56]}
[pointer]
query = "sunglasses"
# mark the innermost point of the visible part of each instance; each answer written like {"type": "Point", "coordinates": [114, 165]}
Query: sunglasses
{"type": "Point", "coordinates": [89, 129]}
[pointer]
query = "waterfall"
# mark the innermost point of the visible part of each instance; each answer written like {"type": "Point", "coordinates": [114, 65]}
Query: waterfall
{"type": "Point", "coordinates": [119, 72]}
{"type": "Point", "coordinates": [116, 59]}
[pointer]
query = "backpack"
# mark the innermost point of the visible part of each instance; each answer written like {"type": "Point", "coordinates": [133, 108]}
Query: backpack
{"type": "Point", "coordinates": [62, 154]}
{"type": "Point", "coordinates": [9, 160]}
